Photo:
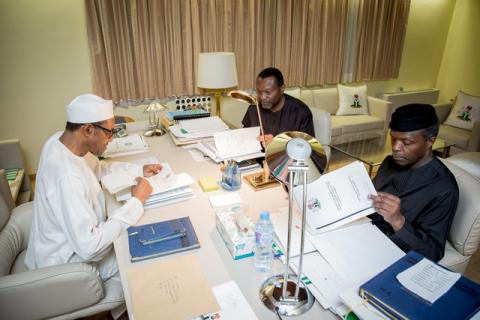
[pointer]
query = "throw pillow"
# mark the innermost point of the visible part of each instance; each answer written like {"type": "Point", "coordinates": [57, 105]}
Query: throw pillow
{"type": "Point", "coordinates": [465, 111]}
{"type": "Point", "coordinates": [352, 100]}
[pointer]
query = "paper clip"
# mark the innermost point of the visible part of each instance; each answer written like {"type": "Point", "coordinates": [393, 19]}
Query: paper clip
{"type": "Point", "coordinates": [176, 234]}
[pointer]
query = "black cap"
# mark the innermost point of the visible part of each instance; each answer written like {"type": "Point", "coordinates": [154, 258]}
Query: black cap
{"type": "Point", "coordinates": [412, 117]}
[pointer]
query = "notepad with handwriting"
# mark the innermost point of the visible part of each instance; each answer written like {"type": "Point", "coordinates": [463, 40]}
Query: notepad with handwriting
{"type": "Point", "coordinates": [161, 238]}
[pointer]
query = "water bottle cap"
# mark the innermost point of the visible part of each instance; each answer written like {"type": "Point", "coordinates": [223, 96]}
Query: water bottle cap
{"type": "Point", "coordinates": [264, 215]}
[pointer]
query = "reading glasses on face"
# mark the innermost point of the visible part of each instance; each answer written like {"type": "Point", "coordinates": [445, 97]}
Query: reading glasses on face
{"type": "Point", "coordinates": [108, 132]}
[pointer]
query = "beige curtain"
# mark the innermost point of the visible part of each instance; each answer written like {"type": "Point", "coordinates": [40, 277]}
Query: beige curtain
{"type": "Point", "coordinates": [381, 28]}
{"type": "Point", "coordinates": [149, 48]}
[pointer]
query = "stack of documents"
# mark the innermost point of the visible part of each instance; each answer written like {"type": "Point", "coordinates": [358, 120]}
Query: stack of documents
{"type": "Point", "coordinates": [168, 187]}
{"type": "Point", "coordinates": [128, 145]}
{"type": "Point", "coordinates": [342, 248]}
{"type": "Point", "coordinates": [238, 144]}
{"type": "Point", "coordinates": [195, 130]}
{"type": "Point", "coordinates": [344, 259]}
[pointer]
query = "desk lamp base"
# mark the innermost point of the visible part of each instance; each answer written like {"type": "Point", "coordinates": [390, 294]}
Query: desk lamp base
{"type": "Point", "coordinates": [258, 182]}
{"type": "Point", "coordinates": [152, 132]}
{"type": "Point", "coordinates": [271, 296]}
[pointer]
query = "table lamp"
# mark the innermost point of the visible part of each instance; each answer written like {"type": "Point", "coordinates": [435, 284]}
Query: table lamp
{"type": "Point", "coordinates": [217, 72]}
{"type": "Point", "coordinates": [293, 158]}
{"type": "Point", "coordinates": [154, 110]}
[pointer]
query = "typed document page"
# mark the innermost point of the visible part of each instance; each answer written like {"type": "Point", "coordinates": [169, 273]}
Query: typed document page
{"type": "Point", "coordinates": [428, 280]}
{"type": "Point", "coordinates": [337, 198]}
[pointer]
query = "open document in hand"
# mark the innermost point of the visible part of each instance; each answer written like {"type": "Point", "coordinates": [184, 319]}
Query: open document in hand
{"type": "Point", "coordinates": [131, 144]}
{"type": "Point", "coordinates": [337, 198]}
{"type": "Point", "coordinates": [237, 144]}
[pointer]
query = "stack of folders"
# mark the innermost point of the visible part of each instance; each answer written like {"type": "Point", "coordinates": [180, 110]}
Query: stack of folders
{"type": "Point", "coordinates": [386, 292]}
{"type": "Point", "coordinates": [238, 144]}
{"type": "Point", "coordinates": [161, 238]}
{"type": "Point", "coordinates": [195, 130]}
{"type": "Point", "coordinates": [168, 187]}
{"type": "Point", "coordinates": [124, 146]}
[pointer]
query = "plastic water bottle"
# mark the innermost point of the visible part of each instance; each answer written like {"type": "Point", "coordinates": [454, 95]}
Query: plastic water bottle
{"type": "Point", "coordinates": [262, 260]}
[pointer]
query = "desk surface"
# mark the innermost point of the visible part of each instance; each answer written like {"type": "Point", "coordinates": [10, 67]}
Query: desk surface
{"type": "Point", "coordinates": [217, 263]}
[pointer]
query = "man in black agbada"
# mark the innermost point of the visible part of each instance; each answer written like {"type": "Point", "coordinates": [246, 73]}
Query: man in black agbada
{"type": "Point", "coordinates": [417, 195]}
{"type": "Point", "coordinates": [280, 112]}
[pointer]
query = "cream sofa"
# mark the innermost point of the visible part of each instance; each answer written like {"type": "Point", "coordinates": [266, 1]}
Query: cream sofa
{"type": "Point", "coordinates": [464, 139]}
{"type": "Point", "coordinates": [329, 128]}
{"type": "Point", "coordinates": [464, 235]}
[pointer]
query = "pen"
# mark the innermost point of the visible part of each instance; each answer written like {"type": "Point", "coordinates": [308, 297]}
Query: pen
{"type": "Point", "coordinates": [174, 235]}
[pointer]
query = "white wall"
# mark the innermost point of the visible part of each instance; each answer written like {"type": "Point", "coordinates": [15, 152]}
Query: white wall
{"type": "Point", "coordinates": [44, 63]}
{"type": "Point", "coordinates": [460, 68]}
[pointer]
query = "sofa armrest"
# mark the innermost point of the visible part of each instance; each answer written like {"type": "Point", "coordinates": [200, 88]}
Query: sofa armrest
{"type": "Point", "coordinates": [443, 110]}
{"type": "Point", "coordinates": [474, 141]}
{"type": "Point", "coordinates": [381, 108]}
{"type": "Point", "coordinates": [48, 292]}
{"type": "Point", "coordinates": [322, 125]}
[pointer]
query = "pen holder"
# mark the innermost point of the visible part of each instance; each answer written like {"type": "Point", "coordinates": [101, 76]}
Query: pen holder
{"type": "Point", "coordinates": [231, 179]}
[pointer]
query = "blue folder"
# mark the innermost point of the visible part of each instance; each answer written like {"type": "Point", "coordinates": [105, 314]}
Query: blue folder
{"type": "Point", "coordinates": [161, 238]}
{"type": "Point", "coordinates": [386, 293]}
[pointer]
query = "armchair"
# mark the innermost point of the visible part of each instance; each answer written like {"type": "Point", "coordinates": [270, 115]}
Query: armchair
{"type": "Point", "coordinates": [11, 158]}
{"type": "Point", "coordinates": [67, 291]}
{"type": "Point", "coordinates": [464, 139]}
{"type": "Point", "coordinates": [464, 235]}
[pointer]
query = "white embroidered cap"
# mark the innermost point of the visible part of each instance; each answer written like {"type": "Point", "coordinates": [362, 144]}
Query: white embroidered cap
{"type": "Point", "coordinates": [89, 108]}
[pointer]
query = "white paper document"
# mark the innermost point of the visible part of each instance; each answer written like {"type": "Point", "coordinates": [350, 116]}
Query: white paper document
{"type": "Point", "coordinates": [128, 145]}
{"type": "Point", "coordinates": [198, 128]}
{"type": "Point", "coordinates": [238, 144]}
{"type": "Point", "coordinates": [357, 252]}
{"type": "Point", "coordinates": [428, 280]}
{"type": "Point", "coordinates": [280, 221]}
{"type": "Point", "coordinates": [160, 186]}
{"type": "Point", "coordinates": [337, 198]}
{"type": "Point", "coordinates": [117, 181]}
{"type": "Point", "coordinates": [232, 302]}
{"type": "Point", "coordinates": [224, 199]}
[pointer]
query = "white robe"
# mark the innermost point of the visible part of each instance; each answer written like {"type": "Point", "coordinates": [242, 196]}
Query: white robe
{"type": "Point", "coordinates": [70, 223]}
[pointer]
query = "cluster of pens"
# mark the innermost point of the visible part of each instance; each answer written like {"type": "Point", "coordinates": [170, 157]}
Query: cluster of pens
{"type": "Point", "coordinates": [231, 176]}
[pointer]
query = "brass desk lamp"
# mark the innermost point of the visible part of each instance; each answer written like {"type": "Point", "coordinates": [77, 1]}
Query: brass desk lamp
{"type": "Point", "coordinates": [295, 159]}
{"type": "Point", "coordinates": [258, 181]}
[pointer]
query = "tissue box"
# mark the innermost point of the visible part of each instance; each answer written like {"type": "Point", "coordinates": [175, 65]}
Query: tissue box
{"type": "Point", "coordinates": [239, 243]}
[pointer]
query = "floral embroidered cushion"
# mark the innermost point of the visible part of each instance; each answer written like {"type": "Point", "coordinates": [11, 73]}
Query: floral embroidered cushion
{"type": "Point", "coordinates": [352, 100]}
{"type": "Point", "coordinates": [465, 111]}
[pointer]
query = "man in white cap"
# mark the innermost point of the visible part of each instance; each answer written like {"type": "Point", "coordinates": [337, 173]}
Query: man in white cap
{"type": "Point", "coordinates": [70, 223]}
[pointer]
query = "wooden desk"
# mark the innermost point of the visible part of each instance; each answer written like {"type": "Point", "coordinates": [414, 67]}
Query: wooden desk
{"type": "Point", "coordinates": [216, 261]}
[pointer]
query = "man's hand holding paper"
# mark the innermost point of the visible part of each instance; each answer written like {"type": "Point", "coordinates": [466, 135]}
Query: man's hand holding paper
{"type": "Point", "coordinates": [388, 205]}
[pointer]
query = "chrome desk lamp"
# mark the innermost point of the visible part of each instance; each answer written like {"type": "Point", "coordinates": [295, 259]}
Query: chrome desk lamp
{"type": "Point", "coordinates": [154, 110]}
{"type": "Point", "coordinates": [294, 158]}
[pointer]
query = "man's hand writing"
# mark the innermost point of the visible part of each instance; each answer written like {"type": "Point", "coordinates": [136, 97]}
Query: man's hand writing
{"type": "Point", "coordinates": [388, 206]}
{"type": "Point", "coordinates": [142, 190]}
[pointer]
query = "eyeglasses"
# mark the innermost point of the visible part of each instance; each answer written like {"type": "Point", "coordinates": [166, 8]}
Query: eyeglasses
{"type": "Point", "coordinates": [109, 132]}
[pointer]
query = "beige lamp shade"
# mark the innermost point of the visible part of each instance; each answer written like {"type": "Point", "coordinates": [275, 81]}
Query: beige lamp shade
{"type": "Point", "coordinates": [217, 70]}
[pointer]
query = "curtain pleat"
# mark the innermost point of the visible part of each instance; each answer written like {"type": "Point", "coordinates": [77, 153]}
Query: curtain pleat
{"type": "Point", "coordinates": [149, 48]}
